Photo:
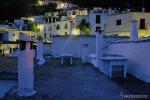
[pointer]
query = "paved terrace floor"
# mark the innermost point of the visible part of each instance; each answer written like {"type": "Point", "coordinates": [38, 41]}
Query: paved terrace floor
{"type": "Point", "coordinates": [54, 81]}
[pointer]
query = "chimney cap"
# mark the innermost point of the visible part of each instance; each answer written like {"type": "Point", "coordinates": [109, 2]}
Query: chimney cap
{"type": "Point", "coordinates": [99, 31]}
{"type": "Point", "coordinates": [134, 21]}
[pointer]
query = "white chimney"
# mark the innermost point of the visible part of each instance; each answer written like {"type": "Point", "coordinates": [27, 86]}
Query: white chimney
{"type": "Point", "coordinates": [134, 30]}
{"type": "Point", "coordinates": [109, 11]}
{"type": "Point", "coordinates": [39, 52]}
{"type": "Point", "coordinates": [128, 10]}
{"type": "Point", "coordinates": [99, 48]}
{"type": "Point", "coordinates": [143, 9]}
{"type": "Point", "coordinates": [25, 67]}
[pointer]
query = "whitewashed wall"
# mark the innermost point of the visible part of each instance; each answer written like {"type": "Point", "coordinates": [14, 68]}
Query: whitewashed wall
{"type": "Point", "coordinates": [124, 29]}
{"type": "Point", "coordinates": [47, 49]}
{"type": "Point", "coordinates": [138, 55]}
{"type": "Point", "coordinates": [74, 45]}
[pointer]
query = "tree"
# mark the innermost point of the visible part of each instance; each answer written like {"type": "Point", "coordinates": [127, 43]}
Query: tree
{"type": "Point", "coordinates": [32, 26]}
{"type": "Point", "coordinates": [84, 27]}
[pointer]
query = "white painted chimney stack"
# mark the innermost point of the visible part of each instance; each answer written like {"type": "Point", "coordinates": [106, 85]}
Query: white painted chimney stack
{"type": "Point", "coordinates": [25, 67]}
{"type": "Point", "coordinates": [39, 51]}
{"type": "Point", "coordinates": [99, 48]}
{"type": "Point", "coordinates": [134, 30]}
{"type": "Point", "coordinates": [143, 9]}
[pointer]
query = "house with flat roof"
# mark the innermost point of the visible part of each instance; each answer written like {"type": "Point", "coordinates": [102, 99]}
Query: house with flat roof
{"type": "Point", "coordinates": [120, 24]}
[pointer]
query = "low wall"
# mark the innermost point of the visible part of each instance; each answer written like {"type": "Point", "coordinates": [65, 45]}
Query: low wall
{"type": "Point", "coordinates": [47, 49]}
{"type": "Point", "coordinates": [138, 55]}
{"type": "Point", "coordinates": [74, 45]}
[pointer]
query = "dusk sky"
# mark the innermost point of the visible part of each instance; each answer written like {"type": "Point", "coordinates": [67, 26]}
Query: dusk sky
{"type": "Point", "coordinates": [16, 8]}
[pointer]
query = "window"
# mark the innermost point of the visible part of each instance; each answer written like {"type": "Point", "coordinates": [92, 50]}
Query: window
{"type": "Point", "coordinates": [57, 27]}
{"type": "Point", "coordinates": [25, 21]}
{"type": "Point", "coordinates": [53, 19]}
{"type": "Point", "coordinates": [74, 12]}
{"type": "Point", "coordinates": [50, 19]}
{"type": "Point", "coordinates": [98, 20]}
{"type": "Point", "coordinates": [142, 24]}
{"type": "Point", "coordinates": [98, 28]}
{"type": "Point", "coordinates": [0, 37]}
{"type": "Point", "coordinates": [118, 22]}
{"type": "Point", "coordinates": [50, 28]}
{"type": "Point", "coordinates": [66, 26]}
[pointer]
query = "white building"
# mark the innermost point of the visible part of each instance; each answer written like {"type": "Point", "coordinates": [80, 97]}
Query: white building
{"type": "Point", "coordinates": [64, 25]}
{"type": "Point", "coordinates": [112, 21]}
{"type": "Point", "coordinates": [60, 4]}
{"type": "Point", "coordinates": [120, 24]}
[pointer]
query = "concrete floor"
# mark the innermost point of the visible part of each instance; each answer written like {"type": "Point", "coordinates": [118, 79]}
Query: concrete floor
{"type": "Point", "coordinates": [79, 82]}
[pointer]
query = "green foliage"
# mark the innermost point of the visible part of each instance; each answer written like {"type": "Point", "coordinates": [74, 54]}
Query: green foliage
{"type": "Point", "coordinates": [33, 27]}
{"type": "Point", "coordinates": [84, 27]}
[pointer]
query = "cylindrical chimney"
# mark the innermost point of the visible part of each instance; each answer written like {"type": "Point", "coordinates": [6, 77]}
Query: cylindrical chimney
{"type": "Point", "coordinates": [134, 30]}
{"type": "Point", "coordinates": [99, 48]}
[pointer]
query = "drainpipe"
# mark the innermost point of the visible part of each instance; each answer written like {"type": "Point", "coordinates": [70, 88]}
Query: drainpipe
{"type": "Point", "coordinates": [99, 48]}
{"type": "Point", "coordinates": [134, 30]}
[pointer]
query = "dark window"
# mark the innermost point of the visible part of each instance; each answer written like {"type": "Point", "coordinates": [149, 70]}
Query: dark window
{"type": "Point", "coordinates": [0, 37]}
{"type": "Point", "coordinates": [24, 28]}
{"type": "Point", "coordinates": [50, 19]}
{"type": "Point", "coordinates": [74, 12]}
{"type": "Point", "coordinates": [53, 19]}
{"type": "Point", "coordinates": [118, 22]}
{"type": "Point", "coordinates": [57, 27]}
{"type": "Point", "coordinates": [98, 20]}
{"type": "Point", "coordinates": [98, 28]}
{"type": "Point", "coordinates": [25, 21]}
{"type": "Point", "coordinates": [142, 23]}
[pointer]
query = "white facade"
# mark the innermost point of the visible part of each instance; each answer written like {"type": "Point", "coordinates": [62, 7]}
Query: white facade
{"type": "Point", "coordinates": [65, 5]}
{"type": "Point", "coordinates": [120, 24]}
{"type": "Point", "coordinates": [71, 14]}
{"type": "Point", "coordinates": [138, 57]}
{"type": "Point", "coordinates": [59, 4]}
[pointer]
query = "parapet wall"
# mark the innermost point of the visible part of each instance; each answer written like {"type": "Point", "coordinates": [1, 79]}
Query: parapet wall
{"type": "Point", "coordinates": [74, 45]}
{"type": "Point", "coordinates": [138, 55]}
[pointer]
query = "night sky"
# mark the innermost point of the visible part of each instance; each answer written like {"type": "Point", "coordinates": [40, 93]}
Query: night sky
{"type": "Point", "coordinates": [11, 9]}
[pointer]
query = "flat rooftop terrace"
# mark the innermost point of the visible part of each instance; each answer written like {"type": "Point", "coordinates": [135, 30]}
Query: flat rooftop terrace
{"type": "Point", "coordinates": [54, 81]}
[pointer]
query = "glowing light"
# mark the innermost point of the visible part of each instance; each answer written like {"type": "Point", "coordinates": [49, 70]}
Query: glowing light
{"type": "Point", "coordinates": [41, 27]}
{"type": "Point", "coordinates": [31, 19]}
{"type": "Point", "coordinates": [76, 31]}
{"type": "Point", "coordinates": [40, 2]}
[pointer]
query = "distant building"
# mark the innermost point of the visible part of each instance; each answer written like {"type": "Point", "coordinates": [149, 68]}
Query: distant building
{"type": "Point", "coordinates": [62, 25]}
{"type": "Point", "coordinates": [120, 24]}
{"type": "Point", "coordinates": [60, 4]}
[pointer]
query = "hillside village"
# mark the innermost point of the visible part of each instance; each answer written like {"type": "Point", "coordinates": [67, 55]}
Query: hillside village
{"type": "Point", "coordinates": [68, 19]}
{"type": "Point", "coordinates": [81, 45]}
